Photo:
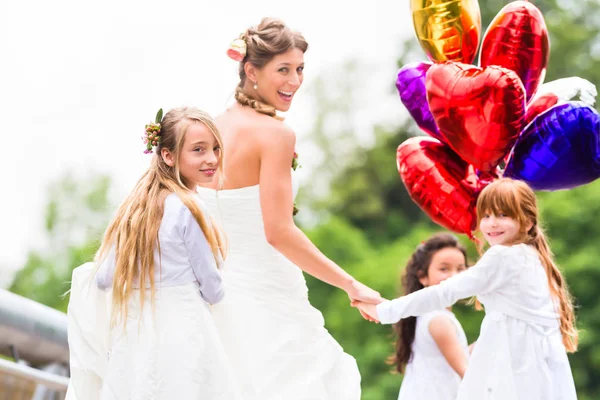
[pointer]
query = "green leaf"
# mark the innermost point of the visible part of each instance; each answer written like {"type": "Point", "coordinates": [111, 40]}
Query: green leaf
{"type": "Point", "coordinates": [159, 116]}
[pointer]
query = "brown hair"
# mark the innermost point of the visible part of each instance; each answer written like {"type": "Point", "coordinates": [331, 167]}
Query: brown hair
{"type": "Point", "coordinates": [134, 231]}
{"type": "Point", "coordinates": [263, 42]}
{"type": "Point", "coordinates": [417, 268]}
{"type": "Point", "coordinates": [517, 200]}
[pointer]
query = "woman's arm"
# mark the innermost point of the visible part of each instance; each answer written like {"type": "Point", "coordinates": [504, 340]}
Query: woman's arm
{"type": "Point", "coordinates": [277, 150]}
{"type": "Point", "coordinates": [443, 332]}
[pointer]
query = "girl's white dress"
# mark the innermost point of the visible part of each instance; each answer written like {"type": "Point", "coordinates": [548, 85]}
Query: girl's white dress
{"type": "Point", "coordinates": [276, 341]}
{"type": "Point", "coordinates": [170, 352]}
{"type": "Point", "coordinates": [428, 375]}
{"type": "Point", "coordinates": [519, 354]}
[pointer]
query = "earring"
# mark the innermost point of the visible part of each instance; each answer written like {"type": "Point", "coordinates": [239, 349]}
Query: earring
{"type": "Point", "coordinates": [255, 86]}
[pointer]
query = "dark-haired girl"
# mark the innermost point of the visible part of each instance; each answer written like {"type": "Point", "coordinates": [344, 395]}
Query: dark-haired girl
{"type": "Point", "coordinates": [431, 350]}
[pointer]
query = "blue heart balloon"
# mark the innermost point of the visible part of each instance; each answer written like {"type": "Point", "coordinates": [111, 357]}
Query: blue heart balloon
{"type": "Point", "coordinates": [559, 149]}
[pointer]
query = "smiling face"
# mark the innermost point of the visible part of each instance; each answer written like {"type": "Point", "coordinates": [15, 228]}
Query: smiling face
{"type": "Point", "coordinates": [199, 156]}
{"type": "Point", "coordinates": [499, 229]}
{"type": "Point", "coordinates": [278, 80]}
{"type": "Point", "coordinates": [506, 212]}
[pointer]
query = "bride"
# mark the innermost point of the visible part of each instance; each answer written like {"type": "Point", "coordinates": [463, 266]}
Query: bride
{"type": "Point", "coordinates": [275, 339]}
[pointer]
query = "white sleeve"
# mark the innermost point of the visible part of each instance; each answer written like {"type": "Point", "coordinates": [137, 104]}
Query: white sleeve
{"type": "Point", "coordinates": [493, 270]}
{"type": "Point", "coordinates": [201, 259]}
{"type": "Point", "coordinates": [106, 272]}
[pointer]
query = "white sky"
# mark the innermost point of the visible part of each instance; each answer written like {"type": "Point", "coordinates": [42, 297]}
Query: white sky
{"type": "Point", "coordinates": [79, 79]}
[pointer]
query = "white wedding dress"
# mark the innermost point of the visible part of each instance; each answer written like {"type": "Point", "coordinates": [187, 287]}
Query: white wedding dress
{"type": "Point", "coordinates": [173, 352]}
{"type": "Point", "coordinates": [276, 341]}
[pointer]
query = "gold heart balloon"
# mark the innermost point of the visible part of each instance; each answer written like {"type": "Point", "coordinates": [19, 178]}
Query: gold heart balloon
{"type": "Point", "coordinates": [448, 30]}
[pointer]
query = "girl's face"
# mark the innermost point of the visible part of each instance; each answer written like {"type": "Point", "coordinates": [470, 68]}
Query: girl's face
{"type": "Point", "coordinates": [199, 158]}
{"type": "Point", "coordinates": [445, 263]}
{"type": "Point", "coordinates": [499, 229]}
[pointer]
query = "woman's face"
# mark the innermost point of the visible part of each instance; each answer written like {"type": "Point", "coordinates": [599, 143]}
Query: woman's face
{"type": "Point", "coordinates": [279, 79]}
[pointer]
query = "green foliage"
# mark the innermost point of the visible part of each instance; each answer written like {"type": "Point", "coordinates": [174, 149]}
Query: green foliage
{"type": "Point", "coordinates": [370, 194]}
{"type": "Point", "coordinates": [76, 214]}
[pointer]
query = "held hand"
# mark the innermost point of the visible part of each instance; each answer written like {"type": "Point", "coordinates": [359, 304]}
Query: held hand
{"type": "Point", "coordinates": [360, 292]}
{"type": "Point", "coordinates": [367, 317]}
{"type": "Point", "coordinates": [368, 311]}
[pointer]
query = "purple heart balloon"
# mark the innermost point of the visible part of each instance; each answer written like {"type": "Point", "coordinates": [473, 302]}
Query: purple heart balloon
{"type": "Point", "coordinates": [411, 87]}
{"type": "Point", "coordinates": [560, 149]}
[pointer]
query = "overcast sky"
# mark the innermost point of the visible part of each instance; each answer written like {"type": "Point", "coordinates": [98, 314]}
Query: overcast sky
{"type": "Point", "coordinates": [79, 79]}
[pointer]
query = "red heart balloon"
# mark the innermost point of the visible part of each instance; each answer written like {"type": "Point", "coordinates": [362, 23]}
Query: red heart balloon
{"type": "Point", "coordinates": [538, 105]}
{"type": "Point", "coordinates": [440, 182]}
{"type": "Point", "coordinates": [479, 112]}
{"type": "Point", "coordinates": [517, 39]}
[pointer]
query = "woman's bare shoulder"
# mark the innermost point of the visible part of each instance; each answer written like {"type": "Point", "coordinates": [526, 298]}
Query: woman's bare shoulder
{"type": "Point", "coordinates": [251, 123]}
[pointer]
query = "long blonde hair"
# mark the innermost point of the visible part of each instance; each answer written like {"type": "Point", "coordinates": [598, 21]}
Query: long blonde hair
{"type": "Point", "coordinates": [134, 230]}
{"type": "Point", "coordinates": [517, 200]}
{"type": "Point", "coordinates": [263, 42]}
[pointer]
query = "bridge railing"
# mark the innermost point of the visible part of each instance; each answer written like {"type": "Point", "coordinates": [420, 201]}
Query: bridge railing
{"type": "Point", "coordinates": [33, 339]}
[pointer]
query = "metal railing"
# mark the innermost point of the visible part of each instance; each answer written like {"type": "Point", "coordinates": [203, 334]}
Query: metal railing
{"type": "Point", "coordinates": [36, 331]}
{"type": "Point", "coordinates": [49, 380]}
{"type": "Point", "coordinates": [35, 336]}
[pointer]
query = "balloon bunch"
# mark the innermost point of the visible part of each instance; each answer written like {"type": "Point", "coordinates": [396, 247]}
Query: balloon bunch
{"type": "Point", "coordinates": [495, 119]}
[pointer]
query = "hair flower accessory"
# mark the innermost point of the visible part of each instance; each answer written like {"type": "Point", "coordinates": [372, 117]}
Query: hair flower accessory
{"type": "Point", "coordinates": [237, 49]}
{"type": "Point", "coordinates": [295, 161]}
{"type": "Point", "coordinates": [151, 136]}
